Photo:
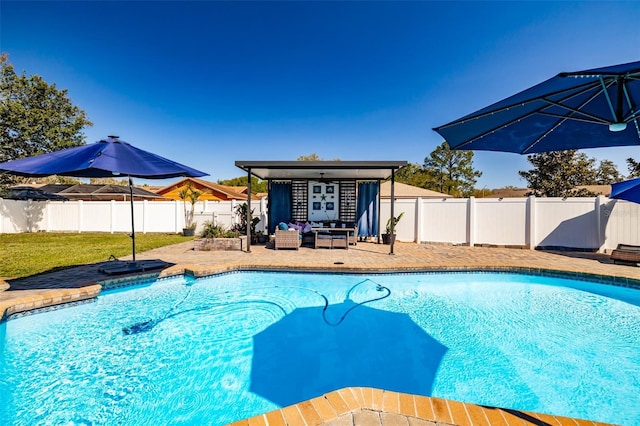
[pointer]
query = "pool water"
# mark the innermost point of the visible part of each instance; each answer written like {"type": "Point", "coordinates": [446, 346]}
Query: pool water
{"type": "Point", "coordinates": [216, 350]}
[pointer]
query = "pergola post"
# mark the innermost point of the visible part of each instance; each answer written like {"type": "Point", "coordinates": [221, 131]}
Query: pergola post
{"type": "Point", "coordinates": [393, 222]}
{"type": "Point", "coordinates": [379, 213]}
{"type": "Point", "coordinates": [249, 219]}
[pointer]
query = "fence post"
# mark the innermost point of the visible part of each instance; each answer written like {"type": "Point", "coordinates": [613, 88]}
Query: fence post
{"type": "Point", "coordinates": [47, 216]}
{"type": "Point", "coordinates": [471, 221]}
{"type": "Point", "coordinates": [531, 213]}
{"type": "Point", "coordinates": [145, 206]}
{"type": "Point", "coordinates": [233, 209]}
{"type": "Point", "coordinates": [599, 223]}
{"type": "Point", "coordinates": [175, 210]}
{"type": "Point", "coordinates": [418, 225]}
{"type": "Point", "coordinates": [79, 216]}
{"type": "Point", "coordinates": [112, 209]}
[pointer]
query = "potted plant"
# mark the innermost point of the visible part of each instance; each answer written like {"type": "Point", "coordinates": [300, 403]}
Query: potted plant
{"type": "Point", "coordinates": [241, 226]}
{"type": "Point", "coordinates": [189, 195]}
{"type": "Point", "coordinates": [388, 237]}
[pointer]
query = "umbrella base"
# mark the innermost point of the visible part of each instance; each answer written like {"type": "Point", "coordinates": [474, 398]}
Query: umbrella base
{"type": "Point", "coordinates": [120, 267]}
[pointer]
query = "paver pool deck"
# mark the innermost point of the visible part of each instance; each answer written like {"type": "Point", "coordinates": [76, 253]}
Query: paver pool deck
{"type": "Point", "coordinates": [359, 406]}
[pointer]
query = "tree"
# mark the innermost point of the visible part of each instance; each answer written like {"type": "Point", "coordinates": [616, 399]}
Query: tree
{"type": "Point", "coordinates": [416, 175]}
{"type": "Point", "coordinates": [55, 179]}
{"type": "Point", "coordinates": [257, 185]}
{"type": "Point", "coordinates": [607, 173]}
{"type": "Point", "coordinates": [452, 170]}
{"type": "Point", "coordinates": [109, 181]}
{"type": "Point", "coordinates": [634, 168]}
{"type": "Point", "coordinates": [558, 173]}
{"type": "Point", "coordinates": [189, 194]}
{"type": "Point", "coordinates": [313, 157]}
{"type": "Point", "coordinates": [35, 117]}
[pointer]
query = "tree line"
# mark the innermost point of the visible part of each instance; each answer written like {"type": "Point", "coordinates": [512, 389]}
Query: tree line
{"type": "Point", "coordinates": [553, 174]}
{"type": "Point", "coordinates": [37, 117]}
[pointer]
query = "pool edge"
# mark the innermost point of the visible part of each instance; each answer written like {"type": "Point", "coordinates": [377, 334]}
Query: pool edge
{"type": "Point", "coordinates": [35, 300]}
{"type": "Point", "coordinates": [362, 405]}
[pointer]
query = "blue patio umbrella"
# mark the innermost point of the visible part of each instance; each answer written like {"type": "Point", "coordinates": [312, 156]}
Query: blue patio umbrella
{"type": "Point", "coordinates": [105, 158]}
{"type": "Point", "coordinates": [573, 110]}
{"type": "Point", "coordinates": [628, 190]}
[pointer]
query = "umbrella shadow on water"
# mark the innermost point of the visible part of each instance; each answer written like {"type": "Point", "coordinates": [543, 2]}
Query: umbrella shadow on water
{"type": "Point", "coordinates": [303, 355]}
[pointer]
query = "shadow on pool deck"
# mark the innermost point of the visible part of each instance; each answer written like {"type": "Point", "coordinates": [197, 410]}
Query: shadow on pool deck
{"type": "Point", "coordinates": [72, 276]}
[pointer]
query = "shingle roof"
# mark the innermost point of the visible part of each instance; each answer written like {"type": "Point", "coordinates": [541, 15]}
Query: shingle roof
{"type": "Point", "coordinates": [402, 190]}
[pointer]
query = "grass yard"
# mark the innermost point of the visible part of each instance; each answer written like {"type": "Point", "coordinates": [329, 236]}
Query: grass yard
{"type": "Point", "coordinates": [27, 254]}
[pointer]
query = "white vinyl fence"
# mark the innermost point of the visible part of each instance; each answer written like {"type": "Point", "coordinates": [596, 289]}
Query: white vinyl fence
{"type": "Point", "coordinates": [115, 216]}
{"type": "Point", "coordinates": [583, 223]}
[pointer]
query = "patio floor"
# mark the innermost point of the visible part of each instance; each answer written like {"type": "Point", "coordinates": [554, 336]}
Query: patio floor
{"type": "Point", "coordinates": [83, 282]}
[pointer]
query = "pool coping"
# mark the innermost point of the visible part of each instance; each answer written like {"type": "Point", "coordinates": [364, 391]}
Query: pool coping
{"type": "Point", "coordinates": [36, 300]}
{"type": "Point", "coordinates": [371, 406]}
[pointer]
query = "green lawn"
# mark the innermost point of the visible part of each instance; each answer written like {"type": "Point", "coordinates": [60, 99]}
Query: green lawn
{"type": "Point", "coordinates": [23, 255]}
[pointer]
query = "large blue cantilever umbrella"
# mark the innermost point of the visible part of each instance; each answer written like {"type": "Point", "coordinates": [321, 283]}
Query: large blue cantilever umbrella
{"type": "Point", "coordinates": [573, 110]}
{"type": "Point", "coordinates": [105, 158]}
{"type": "Point", "coordinates": [628, 190]}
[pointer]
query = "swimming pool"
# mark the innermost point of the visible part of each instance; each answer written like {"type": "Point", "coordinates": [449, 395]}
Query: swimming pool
{"type": "Point", "coordinates": [223, 348]}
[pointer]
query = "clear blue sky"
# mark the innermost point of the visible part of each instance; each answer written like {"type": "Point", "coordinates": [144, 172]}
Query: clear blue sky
{"type": "Point", "coordinates": [209, 83]}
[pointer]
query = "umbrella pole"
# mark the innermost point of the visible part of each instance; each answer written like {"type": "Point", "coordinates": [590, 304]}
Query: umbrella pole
{"type": "Point", "coordinates": [133, 225]}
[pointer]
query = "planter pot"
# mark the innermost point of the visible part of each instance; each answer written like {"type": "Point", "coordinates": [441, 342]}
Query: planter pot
{"type": "Point", "coordinates": [387, 238]}
{"type": "Point", "coordinates": [188, 232]}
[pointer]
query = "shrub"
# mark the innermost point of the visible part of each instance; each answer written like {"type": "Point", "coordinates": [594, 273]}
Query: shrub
{"type": "Point", "coordinates": [217, 231]}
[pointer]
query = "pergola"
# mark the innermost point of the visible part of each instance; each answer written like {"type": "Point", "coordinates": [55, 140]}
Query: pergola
{"type": "Point", "coordinates": [321, 171]}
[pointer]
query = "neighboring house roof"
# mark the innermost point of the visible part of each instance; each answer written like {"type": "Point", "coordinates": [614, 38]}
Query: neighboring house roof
{"type": "Point", "coordinates": [95, 192]}
{"type": "Point", "coordinates": [597, 189]}
{"type": "Point", "coordinates": [25, 192]}
{"type": "Point", "coordinates": [507, 193]}
{"type": "Point", "coordinates": [522, 192]}
{"type": "Point", "coordinates": [213, 191]}
{"type": "Point", "coordinates": [153, 188]}
{"type": "Point", "coordinates": [237, 189]}
{"type": "Point", "coordinates": [402, 190]}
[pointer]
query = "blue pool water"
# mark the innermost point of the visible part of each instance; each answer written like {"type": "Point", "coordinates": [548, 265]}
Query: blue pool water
{"type": "Point", "coordinates": [215, 350]}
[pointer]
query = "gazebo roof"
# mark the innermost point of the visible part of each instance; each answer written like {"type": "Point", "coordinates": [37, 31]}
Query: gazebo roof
{"type": "Point", "coordinates": [321, 170]}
